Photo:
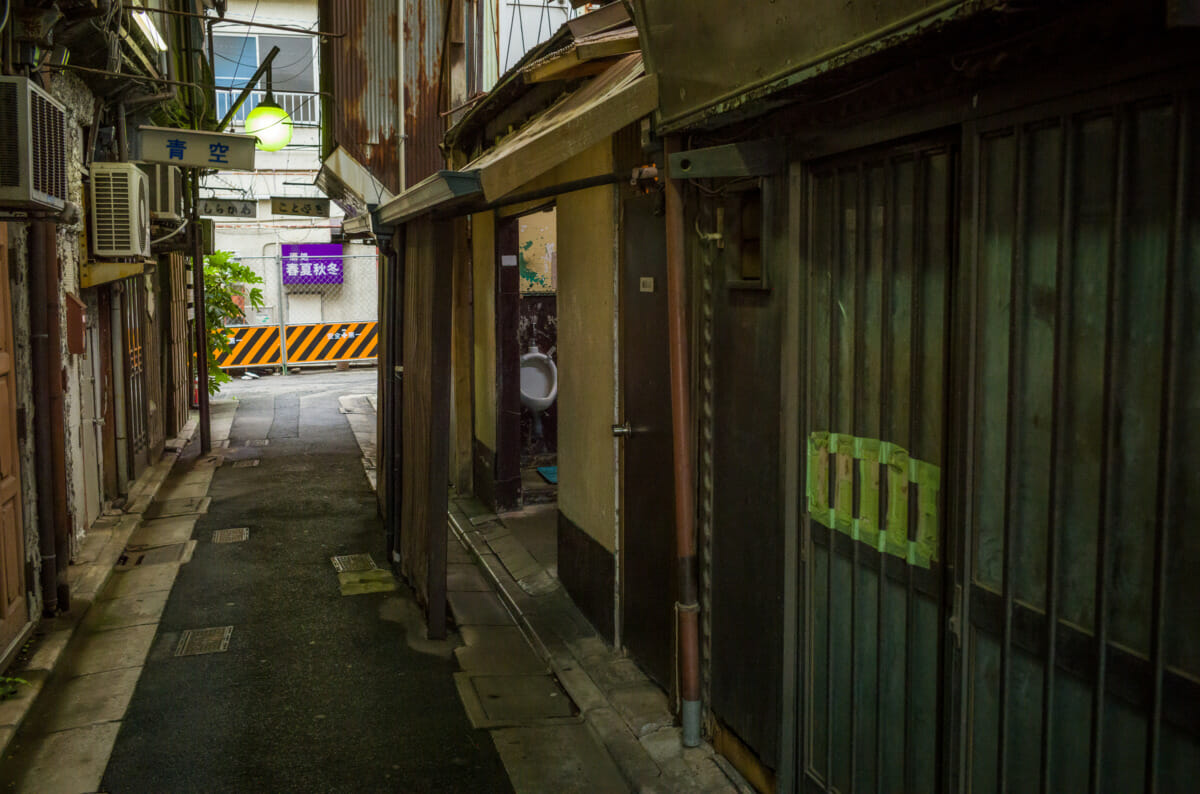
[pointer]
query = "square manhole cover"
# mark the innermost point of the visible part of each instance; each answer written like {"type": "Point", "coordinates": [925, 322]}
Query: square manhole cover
{"type": "Point", "coordinates": [194, 642]}
{"type": "Point", "coordinates": [346, 563]}
{"type": "Point", "coordinates": [245, 464]}
{"type": "Point", "coordinates": [494, 701]}
{"type": "Point", "coordinates": [232, 535]}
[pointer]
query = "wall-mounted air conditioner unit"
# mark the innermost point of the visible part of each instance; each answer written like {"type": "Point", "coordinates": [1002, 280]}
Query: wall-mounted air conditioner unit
{"type": "Point", "coordinates": [166, 192]}
{"type": "Point", "coordinates": [120, 199]}
{"type": "Point", "coordinates": [33, 147]}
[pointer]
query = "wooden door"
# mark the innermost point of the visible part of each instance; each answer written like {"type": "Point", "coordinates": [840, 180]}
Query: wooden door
{"type": "Point", "coordinates": [648, 546]}
{"type": "Point", "coordinates": [13, 612]}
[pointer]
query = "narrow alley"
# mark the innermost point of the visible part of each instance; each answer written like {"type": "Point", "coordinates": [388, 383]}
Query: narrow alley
{"type": "Point", "coordinates": [228, 652]}
{"type": "Point", "coordinates": [599, 396]}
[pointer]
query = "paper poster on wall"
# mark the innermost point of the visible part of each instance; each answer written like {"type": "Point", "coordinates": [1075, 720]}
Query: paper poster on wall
{"type": "Point", "coordinates": [537, 252]}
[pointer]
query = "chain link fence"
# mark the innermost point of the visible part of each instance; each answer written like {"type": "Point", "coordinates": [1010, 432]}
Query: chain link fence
{"type": "Point", "coordinates": [320, 306]}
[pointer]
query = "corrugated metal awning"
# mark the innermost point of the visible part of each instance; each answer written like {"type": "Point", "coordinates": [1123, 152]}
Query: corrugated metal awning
{"type": "Point", "coordinates": [350, 184]}
{"type": "Point", "coordinates": [619, 96]}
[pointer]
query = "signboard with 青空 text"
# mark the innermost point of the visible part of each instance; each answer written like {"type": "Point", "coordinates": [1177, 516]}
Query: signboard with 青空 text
{"type": "Point", "coordinates": [312, 263]}
{"type": "Point", "coordinates": [228, 208]}
{"type": "Point", "coordinates": [304, 207]}
{"type": "Point", "coordinates": [197, 148]}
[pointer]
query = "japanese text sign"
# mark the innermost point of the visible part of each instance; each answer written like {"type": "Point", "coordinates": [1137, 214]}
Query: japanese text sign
{"type": "Point", "coordinates": [306, 207]}
{"type": "Point", "coordinates": [197, 148]}
{"type": "Point", "coordinates": [312, 263]}
{"type": "Point", "coordinates": [228, 208]}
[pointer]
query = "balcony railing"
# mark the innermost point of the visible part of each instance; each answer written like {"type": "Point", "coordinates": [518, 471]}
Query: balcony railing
{"type": "Point", "coordinates": [305, 109]}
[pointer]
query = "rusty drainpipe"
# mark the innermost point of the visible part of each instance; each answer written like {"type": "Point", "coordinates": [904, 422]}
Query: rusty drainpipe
{"type": "Point", "coordinates": [58, 436]}
{"type": "Point", "coordinates": [687, 607]}
{"type": "Point", "coordinates": [47, 412]}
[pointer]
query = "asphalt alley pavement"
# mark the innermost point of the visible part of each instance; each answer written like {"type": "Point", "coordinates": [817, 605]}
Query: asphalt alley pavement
{"type": "Point", "coordinates": [317, 691]}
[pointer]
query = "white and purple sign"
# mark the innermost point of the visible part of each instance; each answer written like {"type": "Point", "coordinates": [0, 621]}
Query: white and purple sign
{"type": "Point", "coordinates": [312, 263]}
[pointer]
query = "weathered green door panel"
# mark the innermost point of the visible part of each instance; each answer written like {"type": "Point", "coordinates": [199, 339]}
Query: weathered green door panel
{"type": "Point", "coordinates": [878, 245]}
{"type": "Point", "coordinates": [1081, 664]}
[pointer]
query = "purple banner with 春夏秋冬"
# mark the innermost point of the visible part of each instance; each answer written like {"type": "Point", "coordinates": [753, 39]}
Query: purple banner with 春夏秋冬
{"type": "Point", "coordinates": [312, 263]}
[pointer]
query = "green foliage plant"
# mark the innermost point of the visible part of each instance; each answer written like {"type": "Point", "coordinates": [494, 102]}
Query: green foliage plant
{"type": "Point", "coordinates": [9, 685]}
{"type": "Point", "coordinates": [225, 278]}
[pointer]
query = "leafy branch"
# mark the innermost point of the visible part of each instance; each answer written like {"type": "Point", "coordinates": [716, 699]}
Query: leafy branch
{"type": "Point", "coordinates": [224, 280]}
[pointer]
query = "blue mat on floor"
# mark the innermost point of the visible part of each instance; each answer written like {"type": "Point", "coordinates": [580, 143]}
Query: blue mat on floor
{"type": "Point", "coordinates": [549, 474]}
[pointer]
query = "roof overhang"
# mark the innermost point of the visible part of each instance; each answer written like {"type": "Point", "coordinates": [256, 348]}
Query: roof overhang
{"type": "Point", "coordinates": [350, 184]}
{"type": "Point", "coordinates": [610, 101]}
{"type": "Point", "coordinates": [441, 191]}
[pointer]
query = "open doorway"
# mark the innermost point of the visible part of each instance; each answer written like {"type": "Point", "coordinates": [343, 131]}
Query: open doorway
{"type": "Point", "coordinates": [529, 419]}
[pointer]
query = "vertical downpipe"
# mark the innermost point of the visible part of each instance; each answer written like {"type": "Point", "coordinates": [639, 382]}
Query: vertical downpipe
{"type": "Point", "coordinates": [687, 607]}
{"type": "Point", "coordinates": [42, 372]}
{"type": "Point", "coordinates": [120, 425]}
{"type": "Point", "coordinates": [402, 136]}
{"type": "Point", "coordinates": [57, 414]}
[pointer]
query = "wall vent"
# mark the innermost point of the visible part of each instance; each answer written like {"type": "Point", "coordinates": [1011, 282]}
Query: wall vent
{"type": "Point", "coordinates": [33, 147]}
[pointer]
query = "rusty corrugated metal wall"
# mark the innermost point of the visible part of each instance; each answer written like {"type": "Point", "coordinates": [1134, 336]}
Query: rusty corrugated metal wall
{"type": "Point", "coordinates": [361, 73]}
{"type": "Point", "coordinates": [424, 45]}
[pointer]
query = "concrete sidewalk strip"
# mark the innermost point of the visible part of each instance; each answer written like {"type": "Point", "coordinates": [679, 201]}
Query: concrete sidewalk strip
{"type": "Point", "coordinates": [135, 581]}
{"type": "Point", "coordinates": [164, 531]}
{"type": "Point", "coordinates": [620, 704]}
{"type": "Point", "coordinates": [88, 748]}
{"type": "Point", "coordinates": [133, 610]}
{"type": "Point", "coordinates": [87, 700]}
{"type": "Point", "coordinates": [500, 701]}
{"type": "Point", "coordinates": [178, 507]}
{"type": "Point", "coordinates": [102, 651]}
{"type": "Point", "coordinates": [479, 609]}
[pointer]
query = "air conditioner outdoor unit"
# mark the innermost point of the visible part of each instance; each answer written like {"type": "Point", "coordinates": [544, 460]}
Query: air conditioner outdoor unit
{"type": "Point", "coordinates": [166, 192]}
{"type": "Point", "coordinates": [33, 147]}
{"type": "Point", "coordinates": [120, 200]}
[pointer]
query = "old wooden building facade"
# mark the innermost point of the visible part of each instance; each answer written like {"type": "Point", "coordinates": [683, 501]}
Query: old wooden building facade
{"type": "Point", "coordinates": [945, 275]}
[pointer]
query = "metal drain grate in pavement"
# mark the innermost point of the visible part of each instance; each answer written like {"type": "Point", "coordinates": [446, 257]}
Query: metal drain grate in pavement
{"type": "Point", "coordinates": [233, 535]}
{"type": "Point", "coordinates": [498, 701]}
{"type": "Point", "coordinates": [245, 464]}
{"type": "Point", "coordinates": [258, 442]}
{"type": "Point", "coordinates": [134, 556]}
{"type": "Point", "coordinates": [347, 563]}
{"type": "Point", "coordinates": [194, 642]}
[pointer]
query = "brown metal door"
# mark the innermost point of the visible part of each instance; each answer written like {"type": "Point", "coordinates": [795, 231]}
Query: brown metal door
{"type": "Point", "coordinates": [647, 548]}
{"type": "Point", "coordinates": [133, 306]}
{"type": "Point", "coordinates": [13, 613]}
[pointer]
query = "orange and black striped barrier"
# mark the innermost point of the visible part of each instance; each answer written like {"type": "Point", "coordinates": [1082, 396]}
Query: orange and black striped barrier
{"type": "Point", "coordinates": [329, 342]}
{"type": "Point", "coordinates": [316, 343]}
{"type": "Point", "coordinates": [252, 346]}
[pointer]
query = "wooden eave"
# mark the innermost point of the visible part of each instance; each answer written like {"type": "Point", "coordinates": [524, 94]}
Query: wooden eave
{"type": "Point", "coordinates": [584, 57]}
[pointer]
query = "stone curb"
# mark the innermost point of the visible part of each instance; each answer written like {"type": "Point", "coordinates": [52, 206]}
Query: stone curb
{"type": "Point", "coordinates": [88, 579]}
{"type": "Point", "coordinates": [622, 740]}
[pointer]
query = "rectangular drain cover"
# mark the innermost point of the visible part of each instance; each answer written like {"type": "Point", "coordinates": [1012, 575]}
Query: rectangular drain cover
{"type": "Point", "coordinates": [134, 557]}
{"type": "Point", "coordinates": [245, 464]}
{"type": "Point", "coordinates": [258, 442]}
{"type": "Point", "coordinates": [194, 642]}
{"type": "Point", "coordinates": [233, 535]}
{"type": "Point", "coordinates": [346, 563]}
{"type": "Point", "coordinates": [497, 701]}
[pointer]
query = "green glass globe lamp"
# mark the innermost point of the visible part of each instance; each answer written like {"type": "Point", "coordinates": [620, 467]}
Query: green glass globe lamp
{"type": "Point", "coordinates": [270, 123]}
